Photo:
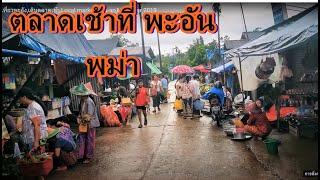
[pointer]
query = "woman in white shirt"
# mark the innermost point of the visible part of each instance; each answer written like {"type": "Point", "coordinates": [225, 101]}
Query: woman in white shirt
{"type": "Point", "coordinates": [187, 94]}
{"type": "Point", "coordinates": [156, 89]}
{"type": "Point", "coordinates": [34, 121]}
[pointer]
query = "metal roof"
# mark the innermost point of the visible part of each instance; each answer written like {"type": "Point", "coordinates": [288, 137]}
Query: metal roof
{"type": "Point", "coordinates": [104, 46]}
{"type": "Point", "coordinates": [283, 36]}
{"type": "Point", "coordinates": [231, 44]}
{"type": "Point", "coordinates": [134, 51]}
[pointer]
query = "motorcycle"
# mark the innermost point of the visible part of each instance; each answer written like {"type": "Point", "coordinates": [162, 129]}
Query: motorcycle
{"type": "Point", "coordinates": [215, 109]}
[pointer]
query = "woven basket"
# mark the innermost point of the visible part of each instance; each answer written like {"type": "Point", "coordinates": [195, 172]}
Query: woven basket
{"type": "Point", "coordinates": [37, 169]}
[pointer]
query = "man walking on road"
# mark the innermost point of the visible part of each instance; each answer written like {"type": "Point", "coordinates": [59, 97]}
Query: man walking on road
{"type": "Point", "coordinates": [164, 83]}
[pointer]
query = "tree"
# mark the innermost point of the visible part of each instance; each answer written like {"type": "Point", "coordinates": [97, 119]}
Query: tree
{"type": "Point", "coordinates": [124, 42]}
{"type": "Point", "coordinates": [195, 55]}
{"type": "Point", "coordinates": [165, 65]}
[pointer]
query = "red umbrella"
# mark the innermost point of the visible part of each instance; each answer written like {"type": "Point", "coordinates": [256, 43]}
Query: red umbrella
{"type": "Point", "coordinates": [182, 69]}
{"type": "Point", "coordinates": [205, 70]}
{"type": "Point", "coordinates": [201, 68]}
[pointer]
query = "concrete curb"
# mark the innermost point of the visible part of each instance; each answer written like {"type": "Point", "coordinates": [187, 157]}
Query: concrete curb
{"type": "Point", "coordinates": [260, 160]}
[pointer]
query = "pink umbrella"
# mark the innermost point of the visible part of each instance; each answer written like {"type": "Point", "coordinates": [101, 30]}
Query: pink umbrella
{"type": "Point", "coordinates": [182, 69]}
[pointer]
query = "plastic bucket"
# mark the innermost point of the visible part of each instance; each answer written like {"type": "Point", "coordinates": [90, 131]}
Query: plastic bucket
{"type": "Point", "coordinates": [272, 146]}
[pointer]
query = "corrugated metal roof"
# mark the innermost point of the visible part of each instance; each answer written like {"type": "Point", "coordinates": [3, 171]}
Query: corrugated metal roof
{"type": "Point", "coordinates": [251, 35]}
{"type": "Point", "coordinates": [104, 46]}
{"type": "Point", "coordinates": [230, 44]}
{"type": "Point", "coordinates": [283, 36]}
{"type": "Point", "coordinates": [134, 51]}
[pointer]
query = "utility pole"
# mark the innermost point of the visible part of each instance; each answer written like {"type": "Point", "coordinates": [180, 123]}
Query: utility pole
{"type": "Point", "coordinates": [244, 21]}
{"type": "Point", "coordinates": [216, 8]}
{"type": "Point", "coordinates": [142, 37]}
{"type": "Point", "coordinates": [159, 51]}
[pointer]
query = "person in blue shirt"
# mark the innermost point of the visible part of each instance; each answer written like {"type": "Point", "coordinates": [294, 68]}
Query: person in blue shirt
{"type": "Point", "coordinates": [164, 83]}
{"type": "Point", "coordinates": [216, 89]}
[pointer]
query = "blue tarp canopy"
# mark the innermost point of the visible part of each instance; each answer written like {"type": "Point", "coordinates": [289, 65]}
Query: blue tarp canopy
{"type": "Point", "coordinates": [228, 66]}
{"type": "Point", "coordinates": [19, 53]}
{"type": "Point", "coordinates": [69, 46]}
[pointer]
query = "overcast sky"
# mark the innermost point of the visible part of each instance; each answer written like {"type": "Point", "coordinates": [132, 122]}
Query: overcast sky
{"type": "Point", "coordinates": [231, 23]}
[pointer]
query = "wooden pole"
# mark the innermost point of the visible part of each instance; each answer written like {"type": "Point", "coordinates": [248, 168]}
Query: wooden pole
{"type": "Point", "coordinates": [241, 77]}
{"type": "Point", "coordinates": [159, 51]}
{"type": "Point", "coordinates": [142, 39]}
{"type": "Point", "coordinates": [244, 21]}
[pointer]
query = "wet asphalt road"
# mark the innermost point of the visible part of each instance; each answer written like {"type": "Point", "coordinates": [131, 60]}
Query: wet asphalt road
{"type": "Point", "coordinates": [170, 147]}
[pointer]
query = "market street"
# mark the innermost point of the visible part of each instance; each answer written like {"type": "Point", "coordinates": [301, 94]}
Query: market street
{"type": "Point", "coordinates": [170, 147]}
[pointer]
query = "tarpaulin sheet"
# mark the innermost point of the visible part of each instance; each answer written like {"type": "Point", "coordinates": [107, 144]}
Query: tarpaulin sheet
{"type": "Point", "coordinates": [69, 46]}
{"type": "Point", "coordinates": [248, 66]}
{"type": "Point", "coordinates": [8, 52]}
{"type": "Point", "coordinates": [278, 38]}
{"type": "Point", "coordinates": [227, 67]}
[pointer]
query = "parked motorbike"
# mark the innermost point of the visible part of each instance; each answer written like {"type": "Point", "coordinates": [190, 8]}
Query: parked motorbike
{"type": "Point", "coordinates": [215, 109]}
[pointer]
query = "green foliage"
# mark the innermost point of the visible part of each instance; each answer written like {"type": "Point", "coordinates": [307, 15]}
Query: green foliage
{"type": "Point", "coordinates": [123, 42]}
{"type": "Point", "coordinates": [195, 55]}
{"type": "Point", "coordinates": [165, 65]}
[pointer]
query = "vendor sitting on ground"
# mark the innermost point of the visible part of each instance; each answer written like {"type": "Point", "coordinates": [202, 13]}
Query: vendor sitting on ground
{"type": "Point", "coordinates": [257, 124]}
{"type": "Point", "coordinates": [61, 141]}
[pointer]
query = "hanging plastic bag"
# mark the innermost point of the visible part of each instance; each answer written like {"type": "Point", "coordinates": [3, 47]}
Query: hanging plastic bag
{"type": "Point", "coordinates": [178, 104]}
{"type": "Point", "coordinates": [198, 105]}
{"type": "Point", "coordinates": [110, 117]}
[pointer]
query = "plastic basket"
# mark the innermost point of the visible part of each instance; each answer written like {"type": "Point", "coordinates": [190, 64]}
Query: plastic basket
{"type": "Point", "coordinates": [37, 169]}
{"type": "Point", "coordinates": [272, 146]}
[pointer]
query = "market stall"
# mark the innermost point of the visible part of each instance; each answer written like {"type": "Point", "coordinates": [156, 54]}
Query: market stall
{"type": "Point", "coordinates": [288, 43]}
{"type": "Point", "coordinates": [39, 62]}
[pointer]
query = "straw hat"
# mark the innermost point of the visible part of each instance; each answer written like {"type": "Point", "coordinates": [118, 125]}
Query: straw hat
{"type": "Point", "coordinates": [82, 90]}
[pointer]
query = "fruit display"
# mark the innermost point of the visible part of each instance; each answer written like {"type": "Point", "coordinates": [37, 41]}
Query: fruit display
{"type": "Point", "coordinates": [205, 88]}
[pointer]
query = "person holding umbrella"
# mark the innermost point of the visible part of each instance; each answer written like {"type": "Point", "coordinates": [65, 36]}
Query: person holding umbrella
{"type": "Point", "coordinates": [88, 113]}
